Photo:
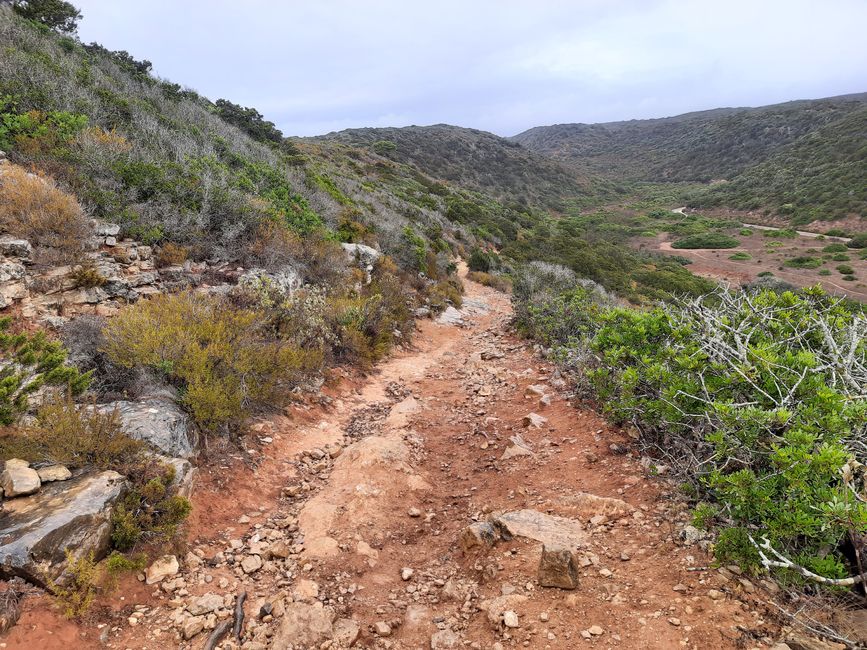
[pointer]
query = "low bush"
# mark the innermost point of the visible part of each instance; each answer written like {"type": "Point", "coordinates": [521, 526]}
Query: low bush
{"type": "Point", "coordinates": [219, 355]}
{"type": "Point", "coordinates": [803, 262]}
{"type": "Point", "coordinates": [840, 257]}
{"type": "Point", "coordinates": [781, 233]}
{"type": "Point", "coordinates": [740, 256]}
{"type": "Point", "coordinates": [858, 241]}
{"type": "Point", "coordinates": [496, 281]}
{"type": "Point", "coordinates": [33, 207]}
{"type": "Point", "coordinates": [835, 248]}
{"type": "Point", "coordinates": [83, 337]}
{"type": "Point", "coordinates": [170, 254]}
{"type": "Point", "coordinates": [76, 595]}
{"type": "Point", "coordinates": [88, 276]}
{"type": "Point", "coordinates": [707, 240]}
{"type": "Point", "coordinates": [368, 323]}
{"type": "Point", "coordinates": [29, 362]}
{"type": "Point", "coordinates": [150, 512]}
{"type": "Point", "coordinates": [479, 261]}
{"type": "Point", "coordinates": [66, 434]}
{"type": "Point", "coordinates": [757, 398]}
{"type": "Point", "coordinates": [444, 293]}
{"type": "Point", "coordinates": [845, 269]}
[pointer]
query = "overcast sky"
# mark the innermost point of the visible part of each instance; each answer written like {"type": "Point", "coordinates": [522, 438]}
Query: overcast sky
{"type": "Point", "coordinates": [316, 66]}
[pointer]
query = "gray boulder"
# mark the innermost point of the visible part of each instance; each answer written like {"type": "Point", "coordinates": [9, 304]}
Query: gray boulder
{"type": "Point", "coordinates": [158, 422]}
{"type": "Point", "coordinates": [286, 280]}
{"type": "Point", "coordinates": [107, 229]}
{"type": "Point", "coordinates": [365, 255]}
{"type": "Point", "coordinates": [35, 531]}
{"type": "Point", "coordinates": [14, 247]}
{"type": "Point", "coordinates": [10, 271]}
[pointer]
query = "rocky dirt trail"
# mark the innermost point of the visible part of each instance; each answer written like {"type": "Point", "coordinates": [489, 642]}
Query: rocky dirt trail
{"type": "Point", "coordinates": [409, 509]}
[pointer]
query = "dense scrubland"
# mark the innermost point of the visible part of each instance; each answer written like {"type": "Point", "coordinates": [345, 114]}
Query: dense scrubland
{"type": "Point", "coordinates": [754, 399]}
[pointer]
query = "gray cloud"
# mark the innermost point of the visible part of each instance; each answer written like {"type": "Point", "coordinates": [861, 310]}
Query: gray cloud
{"type": "Point", "coordinates": [498, 65]}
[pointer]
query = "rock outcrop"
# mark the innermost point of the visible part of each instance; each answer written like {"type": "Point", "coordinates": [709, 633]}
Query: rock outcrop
{"type": "Point", "coordinates": [157, 421]}
{"type": "Point", "coordinates": [36, 531]}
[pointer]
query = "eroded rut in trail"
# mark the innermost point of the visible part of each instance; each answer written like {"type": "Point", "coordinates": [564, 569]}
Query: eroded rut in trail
{"type": "Point", "coordinates": [411, 512]}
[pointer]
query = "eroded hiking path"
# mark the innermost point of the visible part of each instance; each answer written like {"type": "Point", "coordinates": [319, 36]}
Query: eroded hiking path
{"type": "Point", "coordinates": [353, 527]}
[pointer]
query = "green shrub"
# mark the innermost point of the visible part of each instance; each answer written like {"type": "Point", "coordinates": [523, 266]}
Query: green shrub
{"type": "Point", "coordinates": [384, 147]}
{"type": "Point", "coordinates": [858, 241]}
{"type": "Point", "coordinates": [782, 233]}
{"type": "Point", "coordinates": [835, 248]}
{"type": "Point", "coordinates": [740, 256]}
{"type": "Point", "coordinates": [840, 257]}
{"type": "Point", "coordinates": [149, 512]}
{"type": "Point", "coordinates": [31, 361]}
{"type": "Point", "coordinates": [803, 262]}
{"type": "Point", "coordinates": [763, 426]}
{"type": "Point", "coordinates": [219, 355]}
{"type": "Point", "coordinates": [707, 240]}
{"type": "Point", "coordinates": [745, 232]}
{"type": "Point", "coordinates": [479, 261]}
{"type": "Point", "coordinates": [66, 434]}
{"type": "Point", "coordinates": [845, 269]}
{"type": "Point", "coordinates": [78, 591]}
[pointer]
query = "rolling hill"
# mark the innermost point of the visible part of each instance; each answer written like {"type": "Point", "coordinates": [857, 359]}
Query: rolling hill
{"type": "Point", "coordinates": [801, 159]}
{"type": "Point", "coordinates": [476, 160]}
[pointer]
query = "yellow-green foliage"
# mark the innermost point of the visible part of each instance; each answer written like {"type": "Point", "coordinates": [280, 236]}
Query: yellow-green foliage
{"type": "Point", "coordinates": [87, 275]}
{"type": "Point", "coordinates": [446, 292]}
{"type": "Point", "coordinates": [498, 282]}
{"type": "Point", "coordinates": [149, 511]}
{"type": "Point", "coordinates": [72, 436]}
{"type": "Point", "coordinates": [79, 589]}
{"type": "Point", "coordinates": [366, 322]}
{"type": "Point", "coordinates": [219, 354]}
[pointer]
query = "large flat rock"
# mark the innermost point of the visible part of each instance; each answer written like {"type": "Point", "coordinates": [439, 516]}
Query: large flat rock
{"type": "Point", "coordinates": [36, 530]}
{"type": "Point", "coordinates": [159, 422]}
{"type": "Point", "coordinates": [549, 529]}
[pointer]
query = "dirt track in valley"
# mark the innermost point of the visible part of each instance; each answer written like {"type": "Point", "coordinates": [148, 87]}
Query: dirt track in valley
{"type": "Point", "coordinates": [385, 476]}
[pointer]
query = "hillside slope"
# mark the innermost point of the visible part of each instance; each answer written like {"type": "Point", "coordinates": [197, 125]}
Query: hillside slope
{"type": "Point", "coordinates": [701, 146]}
{"type": "Point", "coordinates": [805, 153]}
{"type": "Point", "coordinates": [823, 174]}
{"type": "Point", "coordinates": [174, 168]}
{"type": "Point", "coordinates": [476, 160]}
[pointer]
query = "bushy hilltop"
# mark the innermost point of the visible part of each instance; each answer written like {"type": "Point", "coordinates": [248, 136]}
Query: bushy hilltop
{"type": "Point", "coordinates": [477, 160]}
{"type": "Point", "coordinates": [802, 158]}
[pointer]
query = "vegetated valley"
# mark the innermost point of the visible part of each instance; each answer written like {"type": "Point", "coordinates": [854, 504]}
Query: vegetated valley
{"type": "Point", "coordinates": [598, 385]}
